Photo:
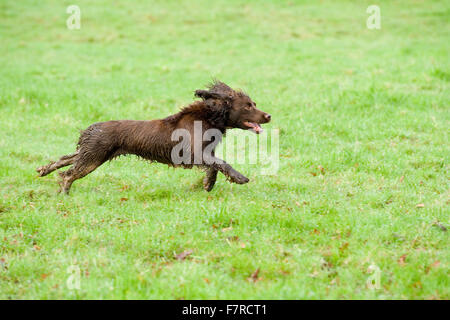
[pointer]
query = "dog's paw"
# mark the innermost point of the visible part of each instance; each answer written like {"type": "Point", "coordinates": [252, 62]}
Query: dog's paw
{"type": "Point", "coordinates": [42, 171]}
{"type": "Point", "coordinates": [207, 184]}
{"type": "Point", "coordinates": [239, 179]}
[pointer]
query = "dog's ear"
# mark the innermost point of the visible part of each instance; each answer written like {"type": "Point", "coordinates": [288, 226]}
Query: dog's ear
{"type": "Point", "coordinates": [205, 94]}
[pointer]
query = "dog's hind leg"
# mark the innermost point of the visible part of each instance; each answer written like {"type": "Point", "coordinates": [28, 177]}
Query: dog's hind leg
{"type": "Point", "coordinates": [62, 162]}
{"type": "Point", "coordinates": [210, 179]}
{"type": "Point", "coordinates": [78, 171]}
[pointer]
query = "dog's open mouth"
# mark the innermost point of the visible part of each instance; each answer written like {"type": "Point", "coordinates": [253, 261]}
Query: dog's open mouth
{"type": "Point", "coordinates": [253, 126]}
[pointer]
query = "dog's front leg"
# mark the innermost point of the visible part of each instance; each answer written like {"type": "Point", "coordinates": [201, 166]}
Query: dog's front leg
{"type": "Point", "coordinates": [210, 179]}
{"type": "Point", "coordinates": [220, 165]}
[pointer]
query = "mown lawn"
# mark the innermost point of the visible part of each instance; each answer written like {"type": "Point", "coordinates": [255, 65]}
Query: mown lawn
{"type": "Point", "coordinates": [363, 184]}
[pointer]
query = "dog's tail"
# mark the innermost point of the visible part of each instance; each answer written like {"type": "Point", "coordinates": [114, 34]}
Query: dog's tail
{"type": "Point", "coordinates": [62, 162]}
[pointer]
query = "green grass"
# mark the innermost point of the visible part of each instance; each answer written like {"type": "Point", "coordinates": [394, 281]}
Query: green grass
{"type": "Point", "coordinates": [369, 106]}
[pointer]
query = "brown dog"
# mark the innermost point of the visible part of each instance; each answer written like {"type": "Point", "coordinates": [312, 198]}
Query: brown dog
{"type": "Point", "coordinates": [221, 108]}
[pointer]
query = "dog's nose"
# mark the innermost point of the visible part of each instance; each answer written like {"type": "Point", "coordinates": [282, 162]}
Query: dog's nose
{"type": "Point", "coordinates": [267, 116]}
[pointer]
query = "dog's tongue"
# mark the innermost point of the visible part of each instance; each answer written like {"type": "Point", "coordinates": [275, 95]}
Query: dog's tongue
{"type": "Point", "coordinates": [255, 127]}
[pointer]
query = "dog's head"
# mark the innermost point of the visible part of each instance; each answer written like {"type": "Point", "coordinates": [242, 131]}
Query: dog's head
{"type": "Point", "coordinates": [239, 110]}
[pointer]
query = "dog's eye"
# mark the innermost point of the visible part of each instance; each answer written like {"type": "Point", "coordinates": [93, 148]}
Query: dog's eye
{"type": "Point", "coordinates": [249, 106]}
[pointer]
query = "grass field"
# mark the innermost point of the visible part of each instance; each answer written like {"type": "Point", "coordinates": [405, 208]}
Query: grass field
{"type": "Point", "coordinates": [362, 189]}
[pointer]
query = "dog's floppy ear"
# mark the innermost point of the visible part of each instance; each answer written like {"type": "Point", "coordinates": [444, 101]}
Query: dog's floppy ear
{"type": "Point", "coordinates": [205, 94]}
